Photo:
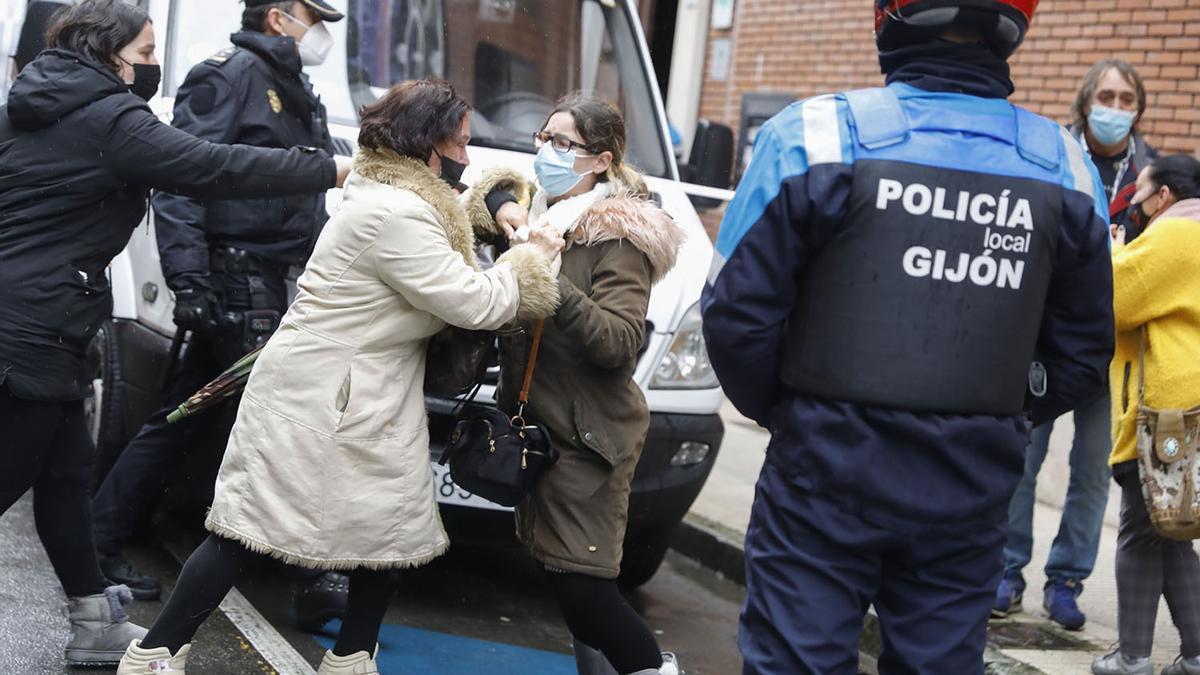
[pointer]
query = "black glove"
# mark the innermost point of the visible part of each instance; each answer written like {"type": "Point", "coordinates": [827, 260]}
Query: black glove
{"type": "Point", "coordinates": [196, 308]}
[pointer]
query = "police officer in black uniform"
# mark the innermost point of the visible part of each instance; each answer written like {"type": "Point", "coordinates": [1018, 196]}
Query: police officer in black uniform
{"type": "Point", "coordinates": [226, 262]}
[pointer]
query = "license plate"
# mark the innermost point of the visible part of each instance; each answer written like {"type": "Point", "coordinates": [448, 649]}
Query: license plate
{"type": "Point", "coordinates": [450, 493]}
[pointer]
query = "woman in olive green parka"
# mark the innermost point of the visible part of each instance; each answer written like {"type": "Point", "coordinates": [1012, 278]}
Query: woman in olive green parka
{"type": "Point", "coordinates": [583, 393]}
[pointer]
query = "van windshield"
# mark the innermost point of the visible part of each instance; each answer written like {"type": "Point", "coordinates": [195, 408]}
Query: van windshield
{"type": "Point", "coordinates": [511, 59]}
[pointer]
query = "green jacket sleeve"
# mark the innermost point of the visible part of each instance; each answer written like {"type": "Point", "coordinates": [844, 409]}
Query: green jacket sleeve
{"type": "Point", "coordinates": [610, 323]}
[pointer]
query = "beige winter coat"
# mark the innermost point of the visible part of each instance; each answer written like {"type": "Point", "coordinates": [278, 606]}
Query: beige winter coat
{"type": "Point", "coordinates": [328, 462]}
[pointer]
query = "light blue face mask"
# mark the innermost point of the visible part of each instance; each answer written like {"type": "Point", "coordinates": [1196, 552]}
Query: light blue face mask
{"type": "Point", "coordinates": [1110, 126]}
{"type": "Point", "coordinates": [555, 170]}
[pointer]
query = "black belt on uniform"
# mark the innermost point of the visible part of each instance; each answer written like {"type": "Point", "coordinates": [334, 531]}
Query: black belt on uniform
{"type": "Point", "coordinates": [229, 259]}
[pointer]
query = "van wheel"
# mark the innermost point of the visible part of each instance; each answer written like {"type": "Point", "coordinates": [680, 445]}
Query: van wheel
{"type": "Point", "coordinates": [103, 411]}
{"type": "Point", "coordinates": [643, 554]}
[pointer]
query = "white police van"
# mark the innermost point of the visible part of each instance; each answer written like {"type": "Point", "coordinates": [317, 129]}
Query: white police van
{"type": "Point", "coordinates": [511, 59]}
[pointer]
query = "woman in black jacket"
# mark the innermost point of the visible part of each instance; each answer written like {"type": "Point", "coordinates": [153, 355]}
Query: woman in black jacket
{"type": "Point", "coordinates": [79, 153]}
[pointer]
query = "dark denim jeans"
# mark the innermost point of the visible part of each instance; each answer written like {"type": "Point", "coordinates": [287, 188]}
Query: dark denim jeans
{"type": "Point", "coordinates": [1073, 553]}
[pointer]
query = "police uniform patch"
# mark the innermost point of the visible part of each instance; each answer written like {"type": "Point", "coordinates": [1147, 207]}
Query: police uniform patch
{"type": "Point", "coordinates": [222, 56]}
{"type": "Point", "coordinates": [203, 98]}
{"type": "Point", "coordinates": [273, 98]}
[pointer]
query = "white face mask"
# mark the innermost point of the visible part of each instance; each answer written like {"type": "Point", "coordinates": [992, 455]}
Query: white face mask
{"type": "Point", "coordinates": [315, 44]}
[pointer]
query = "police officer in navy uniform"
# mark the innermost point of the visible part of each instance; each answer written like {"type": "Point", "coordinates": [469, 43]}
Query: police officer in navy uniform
{"type": "Point", "coordinates": [226, 262]}
{"type": "Point", "coordinates": [906, 277]}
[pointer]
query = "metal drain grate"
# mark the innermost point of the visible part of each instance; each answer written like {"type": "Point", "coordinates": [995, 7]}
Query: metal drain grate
{"type": "Point", "coordinates": [1022, 635]}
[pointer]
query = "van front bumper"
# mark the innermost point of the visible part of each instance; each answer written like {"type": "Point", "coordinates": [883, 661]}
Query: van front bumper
{"type": "Point", "coordinates": [662, 490]}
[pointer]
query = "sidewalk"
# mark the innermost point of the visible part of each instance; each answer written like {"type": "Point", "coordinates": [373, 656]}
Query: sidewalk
{"type": "Point", "coordinates": [723, 508]}
{"type": "Point", "coordinates": [33, 618]}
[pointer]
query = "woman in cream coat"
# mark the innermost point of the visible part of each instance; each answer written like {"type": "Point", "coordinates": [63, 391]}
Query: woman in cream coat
{"type": "Point", "coordinates": [328, 464]}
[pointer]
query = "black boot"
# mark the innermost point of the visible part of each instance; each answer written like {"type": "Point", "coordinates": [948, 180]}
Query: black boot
{"type": "Point", "coordinates": [119, 571]}
{"type": "Point", "coordinates": [321, 599]}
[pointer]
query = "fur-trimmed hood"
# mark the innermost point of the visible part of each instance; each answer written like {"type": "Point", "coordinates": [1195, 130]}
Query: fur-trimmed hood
{"type": "Point", "coordinates": [615, 214]}
{"type": "Point", "coordinates": [538, 287]}
{"type": "Point", "coordinates": [406, 173]}
{"type": "Point", "coordinates": [623, 217]}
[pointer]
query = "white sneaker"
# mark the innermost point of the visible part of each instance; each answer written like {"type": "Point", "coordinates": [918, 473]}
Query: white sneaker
{"type": "Point", "coordinates": [1116, 663]}
{"type": "Point", "coordinates": [358, 663]}
{"type": "Point", "coordinates": [670, 666]}
{"type": "Point", "coordinates": [138, 661]}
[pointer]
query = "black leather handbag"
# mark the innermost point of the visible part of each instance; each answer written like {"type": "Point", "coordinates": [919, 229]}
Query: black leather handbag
{"type": "Point", "coordinates": [497, 457]}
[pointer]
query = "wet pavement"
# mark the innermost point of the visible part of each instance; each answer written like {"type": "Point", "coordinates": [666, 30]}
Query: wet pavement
{"type": "Point", "coordinates": [33, 623]}
{"type": "Point", "coordinates": [479, 609]}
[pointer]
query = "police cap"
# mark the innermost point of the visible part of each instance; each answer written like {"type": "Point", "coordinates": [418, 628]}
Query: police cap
{"type": "Point", "coordinates": [323, 9]}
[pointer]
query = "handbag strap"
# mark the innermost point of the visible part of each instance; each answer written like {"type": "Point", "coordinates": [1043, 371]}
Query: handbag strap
{"type": "Point", "coordinates": [462, 400]}
{"type": "Point", "coordinates": [523, 399]}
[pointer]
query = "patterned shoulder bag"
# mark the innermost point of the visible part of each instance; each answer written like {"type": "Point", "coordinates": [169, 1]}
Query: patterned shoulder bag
{"type": "Point", "coordinates": [1168, 448]}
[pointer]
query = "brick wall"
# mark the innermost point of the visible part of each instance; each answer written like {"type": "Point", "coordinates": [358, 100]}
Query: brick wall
{"type": "Point", "coordinates": [807, 47]}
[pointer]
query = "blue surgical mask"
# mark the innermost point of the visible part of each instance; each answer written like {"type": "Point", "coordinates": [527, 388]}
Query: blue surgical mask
{"type": "Point", "coordinates": [1110, 126]}
{"type": "Point", "coordinates": [556, 171]}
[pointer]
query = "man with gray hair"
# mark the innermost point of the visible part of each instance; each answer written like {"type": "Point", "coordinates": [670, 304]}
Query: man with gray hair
{"type": "Point", "coordinates": [1110, 103]}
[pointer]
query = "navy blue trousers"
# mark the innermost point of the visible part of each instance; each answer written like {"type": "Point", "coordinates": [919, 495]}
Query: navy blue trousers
{"type": "Point", "coordinates": [137, 480]}
{"type": "Point", "coordinates": [812, 570]}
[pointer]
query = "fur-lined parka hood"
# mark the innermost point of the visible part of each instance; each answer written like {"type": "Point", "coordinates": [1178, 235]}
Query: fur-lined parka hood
{"type": "Point", "coordinates": [406, 173]}
{"type": "Point", "coordinates": [623, 217]}
{"type": "Point", "coordinates": [617, 215]}
{"type": "Point", "coordinates": [539, 289]}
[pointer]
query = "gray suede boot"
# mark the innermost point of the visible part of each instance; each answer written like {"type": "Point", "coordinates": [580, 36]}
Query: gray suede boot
{"type": "Point", "coordinates": [100, 628]}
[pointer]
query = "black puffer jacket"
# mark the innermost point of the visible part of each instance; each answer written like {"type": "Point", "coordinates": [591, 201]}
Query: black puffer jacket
{"type": "Point", "coordinates": [255, 94]}
{"type": "Point", "coordinates": [79, 155]}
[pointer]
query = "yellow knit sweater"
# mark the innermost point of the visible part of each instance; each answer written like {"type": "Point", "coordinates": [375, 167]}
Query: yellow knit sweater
{"type": "Point", "coordinates": [1156, 281]}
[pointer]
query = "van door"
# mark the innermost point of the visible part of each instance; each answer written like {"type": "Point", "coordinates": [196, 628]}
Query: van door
{"type": "Point", "coordinates": [12, 17]}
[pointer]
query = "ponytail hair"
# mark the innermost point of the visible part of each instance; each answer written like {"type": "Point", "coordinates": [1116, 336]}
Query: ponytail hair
{"type": "Point", "coordinates": [630, 180]}
{"type": "Point", "coordinates": [1180, 173]}
{"type": "Point", "coordinates": [602, 128]}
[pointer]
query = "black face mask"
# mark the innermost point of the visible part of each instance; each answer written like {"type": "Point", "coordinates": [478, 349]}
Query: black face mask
{"type": "Point", "coordinates": [1137, 216]}
{"type": "Point", "coordinates": [452, 171]}
{"type": "Point", "coordinates": [146, 79]}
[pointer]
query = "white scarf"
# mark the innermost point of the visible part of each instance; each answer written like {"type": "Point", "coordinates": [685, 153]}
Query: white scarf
{"type": "Point", "coordinates": [564, 214]}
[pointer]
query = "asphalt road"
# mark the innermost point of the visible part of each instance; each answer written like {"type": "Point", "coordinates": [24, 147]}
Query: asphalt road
{"type": "Point", "coordinates": [480, 609]}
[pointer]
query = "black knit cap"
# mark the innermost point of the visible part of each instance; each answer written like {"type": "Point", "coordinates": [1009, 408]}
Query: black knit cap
{"type": "Point", "coordinates": [322, 8]}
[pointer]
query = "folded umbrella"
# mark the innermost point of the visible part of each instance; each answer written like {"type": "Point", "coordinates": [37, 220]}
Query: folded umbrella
{"type": "Point", "coordinates": [224, 387]}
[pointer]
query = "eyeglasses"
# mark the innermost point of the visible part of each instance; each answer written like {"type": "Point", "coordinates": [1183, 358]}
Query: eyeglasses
{"type": "Point", "coordinates": [559, 142]}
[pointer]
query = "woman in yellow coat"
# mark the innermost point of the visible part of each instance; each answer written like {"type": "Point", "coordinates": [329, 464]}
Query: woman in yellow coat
{"type": "Point", "coordinates": [1156, 281]}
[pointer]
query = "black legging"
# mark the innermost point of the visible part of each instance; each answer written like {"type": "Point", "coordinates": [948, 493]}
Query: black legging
{"type": "Point", "coordinates": [213, 568]}
{"type": "Point", "coordinates": [46, 446]}
{"type": "Point", "coordinates": [598, 615]}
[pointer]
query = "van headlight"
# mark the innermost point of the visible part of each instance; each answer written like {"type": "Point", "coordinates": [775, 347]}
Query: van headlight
{"type": "Point", "coordinates": [686, 364]}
